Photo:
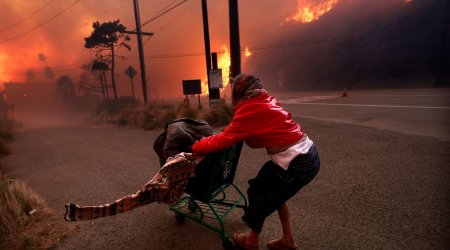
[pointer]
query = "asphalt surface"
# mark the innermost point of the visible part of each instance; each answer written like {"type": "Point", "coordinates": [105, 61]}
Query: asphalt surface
{"type": "Point", "coordinates": [379, 187]}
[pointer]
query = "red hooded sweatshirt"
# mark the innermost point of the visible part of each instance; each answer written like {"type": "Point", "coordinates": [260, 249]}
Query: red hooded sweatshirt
{"type": "Point", "coordinates": [260, 121]}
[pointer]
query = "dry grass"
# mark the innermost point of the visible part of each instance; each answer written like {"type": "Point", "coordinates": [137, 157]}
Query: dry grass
{"type": "Point", "coordinates": [25, 220]}
{"type": "Point", "coordinates": [157, 116]}
{"type": "Point", "coordinates": [220, 115]}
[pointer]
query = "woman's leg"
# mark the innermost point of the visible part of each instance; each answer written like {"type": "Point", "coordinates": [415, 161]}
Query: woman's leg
{"type": "Point", "coordinates": [285, 219]}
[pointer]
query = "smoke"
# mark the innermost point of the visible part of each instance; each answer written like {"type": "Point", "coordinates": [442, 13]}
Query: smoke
{"type": "Point", "coordinates": [30, 76]}
{"type": "Point", "coordinates": [358, 44]}
{"type": "Point", "coordinates": [42, 57]}
{"type": "Point", "coordinates": [49, 73]}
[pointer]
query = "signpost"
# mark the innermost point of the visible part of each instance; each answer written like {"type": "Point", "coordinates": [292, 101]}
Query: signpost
{"type": "Point", "coordinates": [131, 72]}
{"type": "Point", "coordinates": [192, 87]}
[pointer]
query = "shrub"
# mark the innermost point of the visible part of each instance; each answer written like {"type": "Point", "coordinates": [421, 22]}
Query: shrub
{"type": "Point", "coordinates": [220, 115]}
{"type": "Point", "coordinates": [188, 112]}
{"type": "Point", "coordinates": [159, 116]}
{"type": "Point", "coordinates": [4, 149]}
{"type": "Point", "coordinates": [7, 127]}
{"type": "Point", "coordinates": [131, 114]}
{"type": "Point", "coordinates": [113, 107]}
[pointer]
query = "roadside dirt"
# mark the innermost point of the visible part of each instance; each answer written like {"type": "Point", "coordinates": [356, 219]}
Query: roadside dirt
{"type": "Point", "coordinates": [376, 189]}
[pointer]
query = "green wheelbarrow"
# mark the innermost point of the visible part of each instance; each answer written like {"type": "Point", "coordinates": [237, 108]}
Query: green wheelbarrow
{"type": "Point", "coordinates": [206, 200]}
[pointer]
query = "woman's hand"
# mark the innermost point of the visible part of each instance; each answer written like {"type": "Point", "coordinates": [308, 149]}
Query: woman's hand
{"type": "Point", "coordinates": [199, 157]}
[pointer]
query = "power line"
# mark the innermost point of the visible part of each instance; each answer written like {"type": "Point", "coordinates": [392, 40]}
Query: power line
{"type": "Point", "coordinates": [268, 46]}
{"type": "Point", "coordinates": [163, 9]}
{"type": "Point", "coordinates": [296, 43]}
{"type": "Point", "coordinates": [28, 17]}
{"type": "Point", "coordinates": [171, 20]}
{"type": "Point", "coordinates": [160, 13]}
{"type": "Point", "coordinates": [337, 38]}
{"type": "Point", "coordinates": [55, 69]}
{"type": "Point", "coordinates": [41, 24]}
{"type": "Point", "coordinates": [163, 13]}
{"type": "Point", "coordinates": [154, 16]}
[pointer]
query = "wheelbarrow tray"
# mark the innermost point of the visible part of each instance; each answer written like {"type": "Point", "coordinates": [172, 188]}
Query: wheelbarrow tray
{"type": "Point", "coordinates": [206, 200]}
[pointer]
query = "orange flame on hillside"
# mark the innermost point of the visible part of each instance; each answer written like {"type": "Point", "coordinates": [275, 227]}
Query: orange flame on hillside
{"type": "Point", "coordinates": [308, 11]}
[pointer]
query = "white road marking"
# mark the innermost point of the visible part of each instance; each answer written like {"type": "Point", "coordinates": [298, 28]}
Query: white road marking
{"type": "Point", "coordinates": [305, 99]}
{"type": "Point", "coordinates": [368, 105]}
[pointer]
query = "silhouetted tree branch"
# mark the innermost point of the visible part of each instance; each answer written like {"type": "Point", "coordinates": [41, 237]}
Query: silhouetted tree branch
{"type": "Point", "coordinates": [107, 35]}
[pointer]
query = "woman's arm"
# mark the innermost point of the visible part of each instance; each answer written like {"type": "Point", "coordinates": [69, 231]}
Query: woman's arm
{"type": "Point", "coordinates": [214, 143]}
{"type": "Point", "coordinates": [239, 129]}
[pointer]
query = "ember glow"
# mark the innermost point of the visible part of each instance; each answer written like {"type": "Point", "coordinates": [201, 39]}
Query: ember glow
{"type": "Point", "coordinates": [308, 11]}
{"type": "Point", "coordinates": [247, 52]}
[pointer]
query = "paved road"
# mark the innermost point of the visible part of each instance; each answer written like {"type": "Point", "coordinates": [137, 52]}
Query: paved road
{"type": "Point", "coordinates": [377, 188]}
{"type": "Point", "coordinates": [412, 111]}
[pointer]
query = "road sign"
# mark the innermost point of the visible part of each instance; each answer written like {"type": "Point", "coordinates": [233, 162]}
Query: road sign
{"type": "Point", "coordinates": [130, 72]}
{"type": "Point", "coordinates": [192, 87]}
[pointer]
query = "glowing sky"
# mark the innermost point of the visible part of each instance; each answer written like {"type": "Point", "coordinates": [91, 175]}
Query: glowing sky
{"type": "Point", "coordinates": [57, 28]}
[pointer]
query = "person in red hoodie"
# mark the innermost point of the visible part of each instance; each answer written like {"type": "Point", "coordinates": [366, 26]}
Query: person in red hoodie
{"type": "Point", "coordinates": [261, 122]}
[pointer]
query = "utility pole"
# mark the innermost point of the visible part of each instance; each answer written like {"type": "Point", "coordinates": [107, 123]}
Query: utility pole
{"type": "Point", "coordinates": [207, 46]}
{"type": "Point", "coordinates": [214, 94]}
{"type": "Point", "coordinates": [139, 34]}
{"type": "Point", "coordinates": [235, 47]}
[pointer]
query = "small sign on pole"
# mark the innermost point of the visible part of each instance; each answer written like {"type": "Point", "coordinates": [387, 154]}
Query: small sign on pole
{"type": "Point", "coordinates": [215, 77]}
{"type": "Point", "coordinates": [131, 72]}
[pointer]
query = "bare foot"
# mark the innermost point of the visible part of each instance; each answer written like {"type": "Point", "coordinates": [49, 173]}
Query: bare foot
{"type": "Point", "coordinates": [280, 245]}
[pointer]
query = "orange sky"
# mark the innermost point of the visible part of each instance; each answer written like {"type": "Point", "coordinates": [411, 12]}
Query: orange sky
{"type": "Point", "coordinates": [56, 29]}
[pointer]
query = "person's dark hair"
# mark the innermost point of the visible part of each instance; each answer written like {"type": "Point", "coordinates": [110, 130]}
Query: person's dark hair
{"type": "Point", "coordinates": [243, 87]}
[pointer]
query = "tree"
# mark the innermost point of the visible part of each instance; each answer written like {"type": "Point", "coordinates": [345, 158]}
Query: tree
{"type": "Point", "coordinates": [66, 87]}
{"type": "Point", "coordinates": [49, 73]}
{"type": "Point", "coordinates": [106, 36]}
{"type": "Point", "coordinates": [93, 79]}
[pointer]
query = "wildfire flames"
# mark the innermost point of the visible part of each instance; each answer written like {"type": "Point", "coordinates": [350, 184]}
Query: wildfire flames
{"type": "Point", "coordinates": [223, 62]}
{"type": "Point", "coordinates": [308, 11]}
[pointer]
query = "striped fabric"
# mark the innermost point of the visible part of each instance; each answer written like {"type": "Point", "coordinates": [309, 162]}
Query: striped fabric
{"type": "Point", "coordinates": [167, 186]}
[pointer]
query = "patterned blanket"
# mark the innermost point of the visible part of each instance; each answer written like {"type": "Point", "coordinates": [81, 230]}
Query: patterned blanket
{"type": "Point", "coordinates": [167, 186]}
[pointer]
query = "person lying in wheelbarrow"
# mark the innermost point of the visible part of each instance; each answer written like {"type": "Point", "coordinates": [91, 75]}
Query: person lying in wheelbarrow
{"type": "Point", "coordinates": [261, 122]}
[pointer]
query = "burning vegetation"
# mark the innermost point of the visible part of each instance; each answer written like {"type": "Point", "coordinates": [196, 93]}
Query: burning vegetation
{"type": "Point", "coordinates": [308, 11]}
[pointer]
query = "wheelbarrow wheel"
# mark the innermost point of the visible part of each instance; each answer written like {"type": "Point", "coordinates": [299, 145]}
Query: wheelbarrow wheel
{"type": "Point", "coordinates": [192, 206]}
{"type": "Point", "coordinates": [179, 217]}
{"type": "Point", "coordinates": [228, 244]}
